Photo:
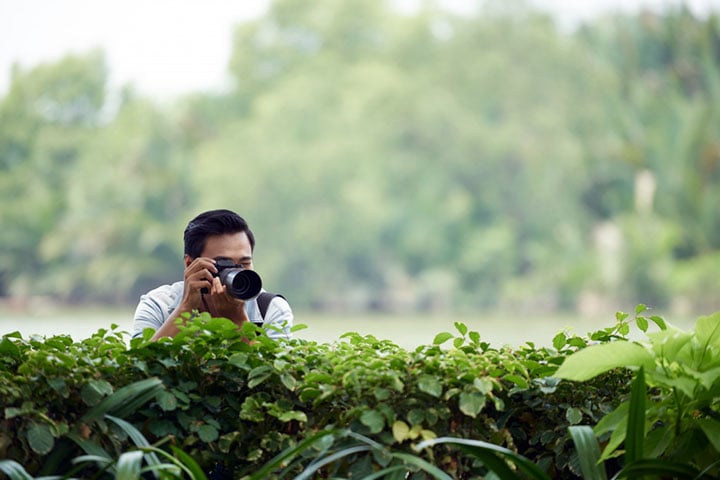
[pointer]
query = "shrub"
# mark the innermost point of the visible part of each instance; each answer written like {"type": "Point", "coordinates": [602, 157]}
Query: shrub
{"type": "Point", "coordinates": [233, 406]}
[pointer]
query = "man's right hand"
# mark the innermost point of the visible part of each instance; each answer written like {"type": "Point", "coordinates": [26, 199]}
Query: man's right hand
{"type": "Point", "coordinates": [199, 275]}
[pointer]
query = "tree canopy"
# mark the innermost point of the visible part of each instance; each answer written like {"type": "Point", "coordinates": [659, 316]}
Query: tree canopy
{"type": "Point", "coordinates": [387, 160]}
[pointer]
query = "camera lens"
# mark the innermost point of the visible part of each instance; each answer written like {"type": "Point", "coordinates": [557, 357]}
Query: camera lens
{"type": "Point", "coordinates": [241, 283]}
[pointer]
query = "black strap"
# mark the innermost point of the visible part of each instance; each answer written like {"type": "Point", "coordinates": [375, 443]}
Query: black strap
{"type": "Point", "coordinates": [263, 301]}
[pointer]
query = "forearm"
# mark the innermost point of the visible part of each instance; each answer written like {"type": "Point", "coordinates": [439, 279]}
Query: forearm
{"type": "Point", "coordinates": [170, 327]}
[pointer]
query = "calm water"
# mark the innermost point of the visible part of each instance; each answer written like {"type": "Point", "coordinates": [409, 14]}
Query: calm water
{"type": "Point", "coordinates": [406, 331]}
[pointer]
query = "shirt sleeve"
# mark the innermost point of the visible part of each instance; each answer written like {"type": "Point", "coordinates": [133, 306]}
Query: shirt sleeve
{"type": "Point", "coordinates": [278, 319]}
{"type": "Point", "coordinates": [153, 309]}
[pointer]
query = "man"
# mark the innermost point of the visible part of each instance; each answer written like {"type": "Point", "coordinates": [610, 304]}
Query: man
{"type": "Point", "coordinates": [209, 237]}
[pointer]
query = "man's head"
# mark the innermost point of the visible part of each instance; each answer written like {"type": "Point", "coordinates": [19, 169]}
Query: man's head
{"type": "Point", "coordinates": [213, 223]}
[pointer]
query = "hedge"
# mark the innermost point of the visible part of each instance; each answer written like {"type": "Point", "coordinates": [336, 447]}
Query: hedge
{"type": "Point", "coordinates": [233, 406]}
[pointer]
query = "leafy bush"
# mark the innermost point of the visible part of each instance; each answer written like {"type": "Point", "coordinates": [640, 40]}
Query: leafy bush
{"type": "Point", "coordinates": [233, 406]}
{"type": "Point", "coordinates": [680, 371]}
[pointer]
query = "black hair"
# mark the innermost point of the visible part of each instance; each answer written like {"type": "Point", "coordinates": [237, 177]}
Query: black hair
{"type": "Point", "coordinates": [213, 222]}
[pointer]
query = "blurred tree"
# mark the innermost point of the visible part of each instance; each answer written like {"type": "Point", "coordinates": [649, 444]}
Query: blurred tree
{"type": "Point", "coordinates": [46, 117]}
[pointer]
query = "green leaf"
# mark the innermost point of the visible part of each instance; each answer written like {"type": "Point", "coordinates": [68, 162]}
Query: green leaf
{"type": "Point", "coordinates": [40, 438]}
{"type": "Point", "coordinates": [430, 385]}
{"type": "Point", "coordinates": [639, 308]}
{"type": "Point", "coordinates": [258, 375]}
{"type": "Point", "coordinates": [293, 415]}
{"type": "Point", "coordinates": [471, 403]}
{"type": "Point", "coordinates": [9, 349]}
{"type": "Point", "coordinates": [642, 323]}
{"type": "Point", "coordinates": [166, 401]}
{"type": "Point", "coordinates": [660, 469]}
{"type": "Point", "coordinates": [588, 451]}
{"type": "Point", "coordinates": [136, 436]}
{"type": "Point", "coordinates": [94, 391]}
{"type": "Point", "coordinates": [126, 399]}
{"type": "Point", "coordinates": [401, 431]}
{"type": "Point", "coordinates": [420, 464]}
{"type": "Point", "coordinates": [573, 415]}
{"type": "Point", "coordinates": [196, 473]}
{"type": "Point", "coordinates": [374, 420]}
{"type": "Point", "coordinates": [707, 330]}
{"type": "Point", "coordinates": [711, 429]}
{"type": "Point", "coordinates": [441, 338]}
{"type": "Point", "coordinates": [461, 327]}
{"type": "Point", "coordinates": [284, 457]}
{"type": "Point", "coordinates": [493, 456]}
{"type": "Point", "coordinates": [517, 380]}
{"type": "Point", "coordinates": [208, 433]}
{"type": "Point", "coordinates": [559, 340]}
{"type": "Point", "coordinates": [596, 359]}
{"type": "Point", "coordinates": [289, 381]}
{"type": "Point", "coordinates": [129, 465]}
{"type": "Point", "coordinates": [14, 470]}
{"type": "Point", "coordinates": [635, 434]}
{"type": "Point", "coordinates": [659, 322]}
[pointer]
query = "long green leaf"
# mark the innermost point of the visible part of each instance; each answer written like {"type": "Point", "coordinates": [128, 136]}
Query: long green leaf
{"type": "Point", "coordinates": [318, 464]}
{"type": "Point", "coordinates": [423, 465]}
{"type": "Point", "coordinates": [663, 468]}
{"type": "Point", "coordinates": [385, 472]}
{"type": "Point", "coordinates": [125, 400]}
{"type": "Point", "coordinates": [481, 449]}
{"type": "Point", "coordinates": [14, 470]}
{"type": "Point", "coordinates": [635, 434]}
{"type": "Point", "coordinates": [129, 465]}
{"type": "Point", "coordinates": [288, 454]}
{"type": "Point", "coordinates": [196, 473]}
{"type": "Point", "coordinates": [588, 451]}
{"type": "Point", "coordinates": [136, 436]}
{"type": "Point", "coordinates": [89, 447]}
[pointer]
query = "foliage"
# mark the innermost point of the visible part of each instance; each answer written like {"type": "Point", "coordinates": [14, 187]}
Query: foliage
{"type": "Point", "coordinates": [232, 406]}
{"type": "Point", "coordinates": [472, 161]}
{"type": "Point", "coordinates": [362, 407]}
{"type": "Point", "coordinates": [682, 372]}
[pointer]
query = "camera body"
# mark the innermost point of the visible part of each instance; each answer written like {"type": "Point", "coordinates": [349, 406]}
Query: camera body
{"type": "Point", "coordinates": [240, 282]}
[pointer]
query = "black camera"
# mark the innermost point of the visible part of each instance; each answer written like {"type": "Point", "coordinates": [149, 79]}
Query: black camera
{"type": "Point", "coordinates": [240, 283]}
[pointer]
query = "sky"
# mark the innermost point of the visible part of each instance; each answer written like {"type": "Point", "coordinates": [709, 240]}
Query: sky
{"type": "Point", "coordinates": [166, 48]}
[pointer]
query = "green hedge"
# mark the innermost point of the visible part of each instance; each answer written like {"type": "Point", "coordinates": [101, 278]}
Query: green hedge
{"type": "Point", "coordinates": [234, 406]}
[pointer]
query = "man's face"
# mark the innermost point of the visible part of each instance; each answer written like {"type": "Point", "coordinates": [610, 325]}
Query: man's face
{"type": "Point", "coordinates": [231, 246]}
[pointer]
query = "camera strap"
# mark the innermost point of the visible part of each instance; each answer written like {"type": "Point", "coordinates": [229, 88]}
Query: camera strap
{"type": "Point", "coordinates": [263, 301]}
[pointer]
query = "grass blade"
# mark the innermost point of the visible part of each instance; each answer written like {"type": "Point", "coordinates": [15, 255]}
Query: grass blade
{"type": "Point", "coordinates": [588, 451]}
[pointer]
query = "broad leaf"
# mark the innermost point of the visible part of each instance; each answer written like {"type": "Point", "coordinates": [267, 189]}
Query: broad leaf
{"type": "Point", "coordinates": [594, 360]}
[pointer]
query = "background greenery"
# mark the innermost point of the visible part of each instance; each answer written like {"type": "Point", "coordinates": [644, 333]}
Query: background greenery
{"type": "Point", "coordinates": [387, 161]}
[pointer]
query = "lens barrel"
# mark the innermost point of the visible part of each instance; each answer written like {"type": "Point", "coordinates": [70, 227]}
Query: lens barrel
{"type": "Point", "coordinates": [241, 283]}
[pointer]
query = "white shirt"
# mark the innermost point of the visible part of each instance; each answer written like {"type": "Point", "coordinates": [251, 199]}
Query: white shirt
{"type": "Point", "coordinates": [157, 305]}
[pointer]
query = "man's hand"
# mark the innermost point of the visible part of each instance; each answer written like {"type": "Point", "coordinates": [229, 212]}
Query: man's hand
{"type": "Point", "coordinates": [221, 304]}
{"type": "Point", "coordinates": [198, 276]}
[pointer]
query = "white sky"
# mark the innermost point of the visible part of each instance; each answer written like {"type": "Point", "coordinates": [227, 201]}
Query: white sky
{"type": "Point", "coordinates": [169, 47]}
